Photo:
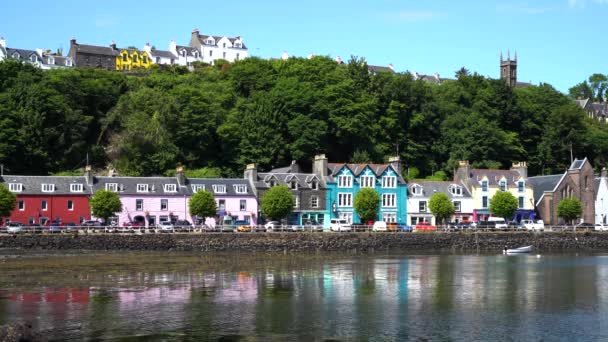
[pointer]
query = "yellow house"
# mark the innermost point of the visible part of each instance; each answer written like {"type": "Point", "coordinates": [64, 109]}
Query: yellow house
{"type": "Point", "coordinates": [483, 184]}
{"type": "Point", "coordinates": [131, 59]}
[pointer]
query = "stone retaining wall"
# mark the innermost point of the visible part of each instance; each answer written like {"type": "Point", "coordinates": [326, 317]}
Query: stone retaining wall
{"type": "Point", "coordinates": [278, 242]}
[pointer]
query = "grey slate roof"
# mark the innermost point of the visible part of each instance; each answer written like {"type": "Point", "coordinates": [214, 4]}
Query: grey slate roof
{"type": "Point", "coordinates": [202, 39]}
{"type": "Point", "coordinates": [96, 50]}
{"type": "Point", "coordinates": [540, 184]}
{"type": "Point", "coordinates": [24, 55]}
{"type": "Point", "coordinates": [374, 69]}
{"type": "Point", "coordinates": [156, 185]}
{"type": "Point", "coordinates": [162, 53]}
{"type": "Point", "coordinates": [57, 60]}
{"type": "Point", "coordinates": [304, 180]}
{"type": "Point", "coordinates": [357, 169]}
{"type": "Point", "coordinates": [229, 182]}
{"type": "Point", "coordinates": [189, 50]}
{"type": "Point", "coordinates": [32, 185]}
{"type": "Point", "coordinates": [431, 187]}
{"type": "Point", "coordinates": [494, 176]}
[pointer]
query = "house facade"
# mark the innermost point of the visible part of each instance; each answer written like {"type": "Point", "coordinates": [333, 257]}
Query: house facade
{"type": "Point", "coordinates": [132, 59]}
{"type": "Point", "coordinates": [420, 193]}
{"type": "Point", "coordinates": [577, 182]}
{"type": "Point", "coordinates": [160, 57]}
{"type": "Point", "coordinates": [345, 180]}
{"type": "Point", "coordinates": [601, 198]}
{"type": "Point", "coordinates": [308, 189]}
{"type": "Point", "coordinates": [93, 56]}
{"type": "Point", "coordinates": [41, 199]}
{"type": "Point", "coordinates": [218, 47]}
{"type": "Point", "coordinates": [483, 184]}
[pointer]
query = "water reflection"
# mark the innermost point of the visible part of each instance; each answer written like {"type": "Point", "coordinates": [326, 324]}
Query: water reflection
{"type": "Point", "coordinates": [437, 297]}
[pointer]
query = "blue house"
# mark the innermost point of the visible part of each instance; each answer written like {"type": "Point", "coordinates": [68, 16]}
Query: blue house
{"type": "Point", "coordinates": [343, 182]}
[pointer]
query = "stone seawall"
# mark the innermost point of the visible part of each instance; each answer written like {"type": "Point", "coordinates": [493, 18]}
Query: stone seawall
{"type": "Point", "coordinates": [279, 242]}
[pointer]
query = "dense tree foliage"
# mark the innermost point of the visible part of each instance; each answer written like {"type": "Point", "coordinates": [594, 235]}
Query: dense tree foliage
{"type": "Point", "coordinates": [503, 204]}
{"type": "Point", "coordinates": [367, 204]}
{"type": "Point", "coordinates": [8, 201]}
{"type": "Point", "coordinates": [202, 204]}
{"type": "Point", "coordinates": [569, 209]}
{"type": "Point", "coordinates": [277, 203]}
{"type": "Point", "coordinates": [105, 204]}
{"type": "Point", "coordinates": [441, 206]}
{"type": "Point", "coordinates": [270, 112]}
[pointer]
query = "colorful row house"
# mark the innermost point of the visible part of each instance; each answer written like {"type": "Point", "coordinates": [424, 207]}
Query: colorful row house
{"type": "Point", "coordinates": [420, 193]}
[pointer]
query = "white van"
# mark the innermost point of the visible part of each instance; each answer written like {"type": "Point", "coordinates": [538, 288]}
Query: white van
{"type": "Point", "coordinates": [499, 221]}
{"type": "Point", "coordinates": [533, 225]}
{"type": "Point", "coordinates": [339, 225]}
{"type": "Point", "coordinates": [379, 226]}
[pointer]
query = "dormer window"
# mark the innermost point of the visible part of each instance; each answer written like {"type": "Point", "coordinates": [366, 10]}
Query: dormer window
{"type": "Point", "coordinates": [68, 62]}
{"type": "Point", "coordinates": [521, 186]}
{"type": "Point", "coordinates": [33, 58]}
{"type": "Point", "coordinates": [142, 187]}
{"type": "Point", "coordinates": [272, 183]}
{"type": "Point", "coordinates": [112, 187]}
{"type": "Point", "coordinates": [170, 187]}
{"type": "Point", "coordinates": [198, 187]}
{"type": "Point", "coordinates": [314, 185]}
{"type": "Point", "coordinates": [484, 185]}
{"type": "Point", "coordinates": [76, 187]}
{"type": "Point", "coordinates": [240, 188]}
{"type": "Point", "coordinates": [195, 54]}
{"type": "Point", "coordinates": [416, 190]}
{"type": "Point", "coordinates": [293, 185]}
{"type": "Point", "coordinates": [237, 45]}
{"type": "Point", "coordinates": [219, 188]}
{"type": "Point", "coordinates": [15, 187]}
{"type": "Point", "coordinates": [367, 181]}
{"type": "Point", "coordinates": [16, 55]}
{"type": "Point", "coordinates": [456, 190]}
{"type": "Point", "coordinates": [48, 187]}
{"type": "Point", "coordinates": [51, 60]}
{"type": "Point", "coordinates": [183, 53]}
{"type": "Point", "coordinates": [135, 58]}
{"type": "Point", "coordinates": [503, 185]}
{"type": "Point", "coordinates": [210, 42]}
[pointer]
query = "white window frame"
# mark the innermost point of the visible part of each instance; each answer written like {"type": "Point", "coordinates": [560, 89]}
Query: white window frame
{"type": "Point", "coordinates": [487, 204]}
{"type": "Point", "coordinates": [77, 187]}
{"type": "Point", "coordinates": [389, 217]}
{"type": "Point", "coordinates": [21, 205]}
{"type": "Point", "coordinates": [143, 188]}
{"type": "Point", "coordinates": [314, 201]}
{"type": "Point", "coordinates": [502, 185]}
{"type": "Point", "coordinates": [367, 181]}
{"type": "Point", "coordinates": [162, 201]}
{"type": "Point", "coordinates": [44, 207]}
{"type": "Point", "coordinates": [457, 208]}
{"type": "Point", "coordinates": [521, 200]}
{"type": "Point", "coordinates": [484, 185]}
{"type": "Point", "coordinates": [346, 215]}
{"type": "Point", "coordinates": [170, 188]}
{"type": "Point", "coordinates": [137, 208]}
{"type": "Point", "coordinates": [296, 201]}
{"type": "Point", "coordinates": [241, 206]}
{"type": "Point", "coordinates": [219, 188]}
{"type": "Point", "coordinates": [521, 186]}
{"type": "Point", "coordinates": [345, 199]}
{"type": "Point", "coordinates": [456, 190]}
{"type": "Point", "coordinates": [240, 188]}
{"type": "Point", "coordinates": [389, 200]}
{"type": "Point", "coordinates": [389, 182]}
{"type": "Point", "coordinates": [197, 187]}
{"type": "Point", "coordinates": [112, 187]}
{"type": "Point", "coordinates": [417, 190]}
{"type": "Point", "coordinates": [345, 181]}
{"type": "Point", "coordinates": [70, 208]}
{"type": "Point", "coordinates": [422, 207]}
{"type": "Point", "coordinates": [15, 187]}
{"type": "Point", "coordinates": [47, 187]}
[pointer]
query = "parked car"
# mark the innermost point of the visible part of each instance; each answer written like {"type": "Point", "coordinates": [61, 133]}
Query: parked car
{"type": "Point", "coordinates": [166, 227]}
{"type": "Point", "coordinates": [183, 226]}
{"type": "Point", "coordinates": [272, 226]}
{"type": "Point", "coordinates": [339, 225]}
{"type": "Point", "coordinates": [585, 225]}
{"type": "Point", "coordinates": [243, 228]}
{"type": "Point", "coordinates": [499, 222]}
{"type": "Point", "coordinates": [485, 225]}
{"type": "Point", "coordinates": [313, 225]}
{"type": "Point", "coordinates": [91, 223]}
{"type": "Point", "coordinates": [402, 227]}
{"type": "Point", "coordinates": [14, 227]}
{"type": "Point", "coordinates": [70, 227]}
{"type": "Point", "coordinates": [380, 226]}
{"type": "Point", "coordinates": [600, 227]}
{"type": "Point", "coordinates": [392, 226]}
{"type": "Point", "coordinates": [54, 227]}
{"type": "Point", "coordinates": [134, 224]}
{"type": "Point", "coordinates": [533, 224]}
{"type": "Point", "coordinates": [425, 226]}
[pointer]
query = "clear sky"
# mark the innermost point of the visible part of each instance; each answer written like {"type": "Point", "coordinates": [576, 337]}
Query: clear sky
{"type": "Point", "coordinates": [560, 42]}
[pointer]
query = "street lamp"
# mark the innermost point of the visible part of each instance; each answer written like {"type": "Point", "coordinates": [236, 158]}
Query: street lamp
{"type": "Point", "coordinates": [333, 207]}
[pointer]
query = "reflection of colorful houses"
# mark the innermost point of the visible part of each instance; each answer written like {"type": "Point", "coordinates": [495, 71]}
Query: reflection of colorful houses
{"type": "Point", "coordinates": [49, 295]}
{"type": "Point", "coordinates": [483, 184]}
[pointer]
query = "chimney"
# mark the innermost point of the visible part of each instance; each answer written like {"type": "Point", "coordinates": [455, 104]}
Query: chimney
{"type": "Point", "coordinates": [3, 42]}
{"type": "Point", "coordinates": [395, 163]}
{"type": "Point", "coordinates": [251, 175]}
{"type": "Point", "coordinates": [603, 172]}
{"type": "Point", "coordinates": [319, 167]}
{"type": "Point", "coordinates": [179, 174]}
{"type": "Point", "coordinates": [462, 174]}
{"type": "Point", "coordinates": [521, 168]}
{"type": "Point", "coordinates": [88, 175]}
{"type": "Point", "coordinates": [195, 37]}
{"type": "Point", "coordinates": [173, 47]}
{"type": "Point", "coordinates": [148, 48]}
{"type": "Point", "coordinates": [295, 168]}
{"type": "Point", "coordinates": [390, 66]}
{"type": "Point", "coordinates": [113, 45]}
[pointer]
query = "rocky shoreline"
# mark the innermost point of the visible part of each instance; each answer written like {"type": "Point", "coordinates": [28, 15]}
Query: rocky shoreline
{"type": "Point", "coordinates": [315, 242]}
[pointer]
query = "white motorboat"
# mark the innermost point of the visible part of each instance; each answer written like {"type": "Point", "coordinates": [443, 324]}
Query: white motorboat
{"type": "Point", "coordinates": [526, 249]}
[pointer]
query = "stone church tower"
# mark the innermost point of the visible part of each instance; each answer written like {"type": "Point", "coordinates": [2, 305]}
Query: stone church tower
{"type": "Point", "coordinates": [508, 69]}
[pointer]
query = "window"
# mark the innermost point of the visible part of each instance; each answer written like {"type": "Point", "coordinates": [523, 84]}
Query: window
{"type": "Point", "coordinates": [345, 181]}
{"type": "Point", "coordinates": [457, 206]}
{"type": "Point", "coordinates": [70, 205]}
{"type": "Point", "coordinates": [142, 187]}
{"type": "Point", "coordinates": [224, 46]}
{"type": "Point", "coordinates": [422, 206]}
{"type": "Point", "coordinates": [389, 200]}
{"type": "Point", "coordinates": [503, 185]}
{"type": "Point", "coordinates": [198, 187]}
{"type": "Point", "coordinates": [21, 205]}
{"type": "Point", "coordinates": [163, 218]}
{"type": "Point", "coordinates": [243, 205]}
{"type": "Point", "coordinates": [314, 185]}
{"type": "Point", "coordinates": [135, 58]}
{"type": "Point", "coordinates": [238, 45]}
{"type": "Point", "coordinates": [456, 190]}
{"type": "Point", "coordinates": [139, 204]}
{"type": "Point", "coordinates": [76, 187]}
{"type": "Point", "coordinates": [484, 202]}
{"type": "Point", "coordinates": [170, 187]}
{"type": "Point", "coordinates": [157, 60]}
{"type": "Point", "coordinates": [296, 202]}
{"type": "Point", "coordinates": [221, 204]}
{"type": "Point", "coordinates": [389, 217]}
{"type": "Point", "coordinates": [521, 186]}
{"type": "Point", "coordinates": [210, 53]}
{"type": "Point", "coordinates": [314, 202]}
{"type": "Point", "coordinates": [145, 60]}
{"type": "Point", "coordinates": [210, 42]}
{"type": "Point", "coordinates": [48, 187]}
{"type": "Point", "coordinates": [417, 190]}
{"type": "Point", "coordinates": [389, 182]}
{"type": "Point", "coordinates": [219, 188]}
{"type": "Point", "coordinates": [238, 55]}
{"type": "Point", "coordinates": [15, 187]}
{"type": "Point", "coordinates": [43, 205]}
{"type": "Point", "coordinates": [272, 183]}
{"type": "Point", "coordinates": [51, 60]}
{"type": "Point", "coordinates": [367, 181]}
{"type": "Point", "coordinates": [124, 57]}
{"type": "Point", "coordinates": [33, 58]}
{"type": "Point", "coordinates": [112, 187]}
{"type": "Point", "coordinates": [164, 204]}
{"type": "Point", "coordinates": [347, 216]}
{"type": "Point", "coordinates": [224, 55]}
{"type": "Point", "coordinates": [293, 185]}
{"type": "Point", "coordinates": [520, 202]}
{"type": "Point", "coordinates": [345, 200]}
{"type": "Point", "coordinates": [484, 185]}
{"type": "Point", "coordinates": [183, 53]}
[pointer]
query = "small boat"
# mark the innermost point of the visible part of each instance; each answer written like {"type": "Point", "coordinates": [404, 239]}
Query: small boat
{"type": "Point", "coordinates": [526, 249]}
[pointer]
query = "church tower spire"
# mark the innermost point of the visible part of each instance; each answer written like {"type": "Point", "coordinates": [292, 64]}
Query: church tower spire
{"type": "Point", "coordinates": [508, 69]}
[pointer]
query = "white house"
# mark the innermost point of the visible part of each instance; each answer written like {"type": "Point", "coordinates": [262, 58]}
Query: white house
{"type": "Point", "coordinates": [212, 48]}
{"type": "Point", "coordinates": [420, 193]}
{"type": "Point", "coordinates": [40, 58]}
{"type": "Point", "coordinates": [601, 200]}
{"type": "Point", "coordinates": [161, 57]}
{"type": "Point", "coordinates": [186, 55]}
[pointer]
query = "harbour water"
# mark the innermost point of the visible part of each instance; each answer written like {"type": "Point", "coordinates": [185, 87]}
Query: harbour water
{"type": "Point", "coordinates": [306, 297]}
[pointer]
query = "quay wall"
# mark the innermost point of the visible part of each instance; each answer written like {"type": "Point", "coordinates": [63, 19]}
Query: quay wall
{"type": "Point", "coordinates": [314, 242]}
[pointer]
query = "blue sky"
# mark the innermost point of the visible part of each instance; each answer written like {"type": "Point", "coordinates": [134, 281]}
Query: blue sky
{"type": "Point", "coordinates": [560, 42]}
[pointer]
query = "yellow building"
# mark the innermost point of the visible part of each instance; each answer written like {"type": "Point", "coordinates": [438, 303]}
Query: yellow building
{"type": "Point", "coordinates": [484, 183]}
{"type": "Point", "coordinates": [132, 59]}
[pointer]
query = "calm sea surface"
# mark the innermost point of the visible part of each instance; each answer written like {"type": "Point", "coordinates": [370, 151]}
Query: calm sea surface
{"type": "Point", "coordinates": [263, 297]}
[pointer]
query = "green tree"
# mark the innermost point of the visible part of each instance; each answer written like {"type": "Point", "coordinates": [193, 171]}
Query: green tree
{"type": "Point", "coordinates": [441, 206]}
{"type": "Point", "coordinates": [7, 202]}
{"type": "Point", "coordinates": [366, 204]}
{"type": "Point", "coordinates": [105, 204]}
{"type": "Point", "coordinates": [202, 204]}
{"type": "Point", "coordinates": [503, 204]}
{"type": "Point", "coordinates": [277, 202]}
{"type": "Point", "coordinates": [569, 209]}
